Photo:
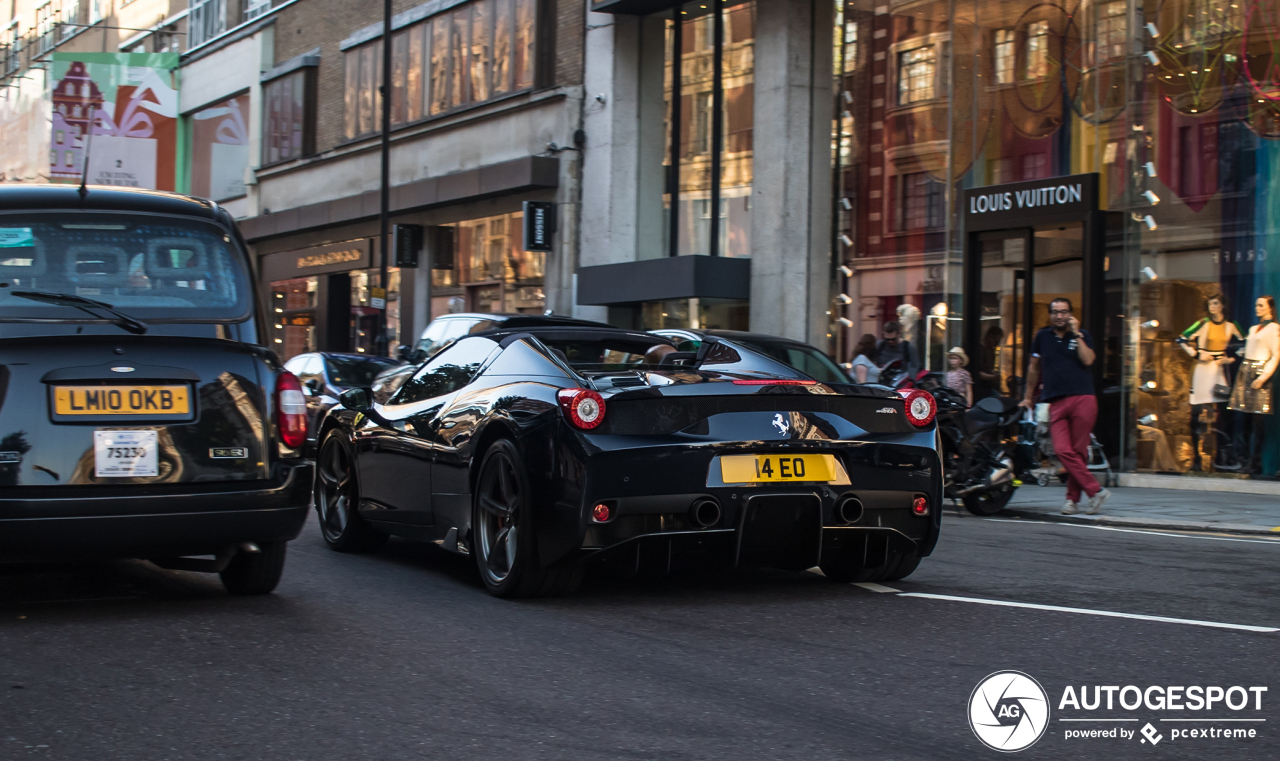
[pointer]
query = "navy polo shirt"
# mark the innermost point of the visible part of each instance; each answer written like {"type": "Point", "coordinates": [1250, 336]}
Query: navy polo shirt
{"type": "Point", "coordinates": [1060, 368]}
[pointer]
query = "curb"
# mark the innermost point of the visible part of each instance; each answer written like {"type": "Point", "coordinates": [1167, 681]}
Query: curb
{"type": "Point", "coordinates": [1146, 523]}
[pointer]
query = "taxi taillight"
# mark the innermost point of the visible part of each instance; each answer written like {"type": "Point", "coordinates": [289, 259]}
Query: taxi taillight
{"type": "Point", "coordinates": [291, 410]}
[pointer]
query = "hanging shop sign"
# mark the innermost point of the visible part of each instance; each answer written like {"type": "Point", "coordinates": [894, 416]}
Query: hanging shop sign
{"type": "Point", "coordinates": [539, 224]}
{"type": "Point", "coordinates": [1024, 202]}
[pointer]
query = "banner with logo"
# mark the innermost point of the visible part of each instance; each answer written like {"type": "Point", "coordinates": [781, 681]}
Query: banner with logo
{"type": "Point", "coordinates": [118, 111]}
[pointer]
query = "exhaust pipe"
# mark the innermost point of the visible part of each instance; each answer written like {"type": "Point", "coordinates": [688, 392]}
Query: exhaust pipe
{"type": "Point", "coordinates": [849, 509]}
{"type": "Point", "coordinates": [704, 513]}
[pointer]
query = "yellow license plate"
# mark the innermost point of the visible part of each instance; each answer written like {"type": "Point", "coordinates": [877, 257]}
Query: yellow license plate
{"type": "Point", "coordinates": [751, 468]}
{"type": "Point", "coordinates": [121, 400]}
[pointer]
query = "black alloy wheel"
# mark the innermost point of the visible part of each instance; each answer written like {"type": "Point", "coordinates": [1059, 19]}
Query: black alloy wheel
{"type": "Point", "coordinates": [502, 531]}
{"type": "Point", "coordinates": [337, 498]}
{"type": "Point", "coordinates": [989, 501]}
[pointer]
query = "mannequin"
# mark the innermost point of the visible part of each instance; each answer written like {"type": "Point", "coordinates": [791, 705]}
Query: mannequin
{"type": "Point", "coordinates": [1207, 340]}
{"type": "Point", "coordinates": [1251, 393]}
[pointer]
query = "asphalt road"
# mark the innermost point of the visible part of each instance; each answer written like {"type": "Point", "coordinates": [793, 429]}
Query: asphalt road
{"type": "Point", "coordinates": [401, 654]}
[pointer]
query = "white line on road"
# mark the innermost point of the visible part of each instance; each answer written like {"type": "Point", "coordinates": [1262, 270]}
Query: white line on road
{"type": "Point", "coordinates": [1088, 611]}
{"type": "Point", "coordinates": [1205, 720]}
{"type": "Point", "coordinates": [872, 587]}
{"type": "Point", "coordinates": [1148, 532]}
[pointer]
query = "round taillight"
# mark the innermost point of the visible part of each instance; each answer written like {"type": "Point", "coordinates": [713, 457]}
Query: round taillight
{"type": "Point", "coordinates": [601, 513]}
{"type": "Point", "coordinates": [921, 407]}
{"type": "Point", "coordinates": [920, 506]}
{"type": "Point", "coordinates": [583, 407]}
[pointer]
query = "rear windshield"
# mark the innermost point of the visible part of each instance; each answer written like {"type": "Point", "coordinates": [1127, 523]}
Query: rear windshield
{"type": "Point", "coordinates": [352, 371]}
{"type": "Point", "coordinates": [806, 359]}
{"type": "Point", "coordinates": [602, 354]}
{"type": "Point", "coordinates": [152, 267]}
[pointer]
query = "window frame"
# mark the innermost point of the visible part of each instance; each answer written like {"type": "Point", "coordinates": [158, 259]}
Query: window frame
{"type": "Point", "coordinates": [941, 44]}
{"type": "Point", "coordinates": [309, 97]}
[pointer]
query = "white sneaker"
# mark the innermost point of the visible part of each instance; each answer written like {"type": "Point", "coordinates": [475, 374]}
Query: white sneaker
{"type": "Point", "coordinates": [1095, 502]}
{"type": "Point", "coordinates": [1069, 508]}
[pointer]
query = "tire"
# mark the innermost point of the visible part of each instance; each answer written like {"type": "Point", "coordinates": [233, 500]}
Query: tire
{"type": "Point", "coordinates": [255, 573]}
{"type": "Point", "coordinates": [502, 536]}
{"type": "Point", "coordinates": [337, 495]}
{"type": "Point", "coordinates": [989, 502]}
{"type": "Point", "coordinates": [899, 565]}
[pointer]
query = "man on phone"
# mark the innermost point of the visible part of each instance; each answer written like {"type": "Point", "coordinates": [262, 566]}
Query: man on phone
{"type": "Point", "coordinates": [1065, 352]}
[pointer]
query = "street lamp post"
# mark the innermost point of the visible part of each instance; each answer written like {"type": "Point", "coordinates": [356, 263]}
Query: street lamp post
{"type": "Point", "coordinates": [384, 196]}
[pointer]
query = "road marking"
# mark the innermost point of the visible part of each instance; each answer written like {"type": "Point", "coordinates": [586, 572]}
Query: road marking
{"type": "Point", "coordinates": [1088, 611]}
{"type": "Point", "coordinates": [872, 587]}
{"type": "Point", "coordinates": [1208, 720]}
{"type": "Point", "coordinates": [1149, 532]}
{"type": "Point", "coordinates": [1097, 719]}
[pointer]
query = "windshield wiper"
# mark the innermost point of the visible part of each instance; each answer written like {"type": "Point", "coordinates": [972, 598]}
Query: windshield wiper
{"type": "Point", "coordinates": [85, 305]}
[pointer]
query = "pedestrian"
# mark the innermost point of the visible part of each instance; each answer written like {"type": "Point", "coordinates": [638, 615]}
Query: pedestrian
{"type": "Point", "coordinates": [893, 347]}
{"type": "Point", "coordinates": [1063, 353]}
{"type": "Point", "coordinates": [865, 370]}
{"type": "Point", "coordinates": [958, 378]}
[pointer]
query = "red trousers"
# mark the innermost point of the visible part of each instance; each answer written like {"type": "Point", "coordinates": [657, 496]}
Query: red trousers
{"type": "Point", "coordinates": [1071, 421]}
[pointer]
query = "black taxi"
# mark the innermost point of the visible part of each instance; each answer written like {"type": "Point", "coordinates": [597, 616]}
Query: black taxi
{"type": "Point", "coordinates": [142, 411]}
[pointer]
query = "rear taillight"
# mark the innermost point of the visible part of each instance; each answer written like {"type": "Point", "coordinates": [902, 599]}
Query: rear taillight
{"type": "Point", "coordinates": [583, 407]}
{"type": "Point", "coordinates": [291, 411]}
{"type": "Point", "coordinates": [775, 382]}
{"type": "Point", "coordinates": [920, 407]}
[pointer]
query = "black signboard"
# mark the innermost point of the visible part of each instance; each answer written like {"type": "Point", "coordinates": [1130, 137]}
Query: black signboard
{"type": "Point", "coordinates": [539, 224]}
{"type": "Point", "coordinates": [408, 243]}
{"type": "Point", "coordinates": [1020, 204]}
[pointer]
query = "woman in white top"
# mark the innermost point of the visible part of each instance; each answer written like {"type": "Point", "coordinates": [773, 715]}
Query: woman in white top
{"type": "Point", "coordinates": [1252, 392]}
{"type": "Point", "coordinates": [865, 370]}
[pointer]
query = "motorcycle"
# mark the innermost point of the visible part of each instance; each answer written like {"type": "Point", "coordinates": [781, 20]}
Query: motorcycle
{"type": "Point", "coordinates": [978, 465]}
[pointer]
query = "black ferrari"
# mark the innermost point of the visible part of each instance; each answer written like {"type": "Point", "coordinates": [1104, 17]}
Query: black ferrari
{"type": "Point", "coordinates": [544, 451]}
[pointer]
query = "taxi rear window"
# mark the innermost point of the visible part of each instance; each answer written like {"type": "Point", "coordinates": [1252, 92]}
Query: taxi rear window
{"type": "Point", "coordinates": [153, 267]}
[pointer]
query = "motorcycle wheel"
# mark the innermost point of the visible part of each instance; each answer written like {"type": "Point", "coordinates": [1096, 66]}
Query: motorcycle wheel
{"type": "Point", "coordinates": [989, 502]}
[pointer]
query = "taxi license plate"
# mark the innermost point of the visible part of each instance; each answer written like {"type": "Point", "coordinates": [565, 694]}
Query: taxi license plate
{"type": "Point", "coordinates": [124, 454]}
{"type": "Point", "coordinates": [755, 468]}
{"type": "Point", "coordinates": [107, 401]}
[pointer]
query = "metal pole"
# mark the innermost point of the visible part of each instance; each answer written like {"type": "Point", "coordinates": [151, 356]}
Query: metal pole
{"type": "Point", "coordinates": [673, 175]}
{"type": "Point", "coordinates": [717, 122]}
{"type": "Point", "coordinates": [384, 197]}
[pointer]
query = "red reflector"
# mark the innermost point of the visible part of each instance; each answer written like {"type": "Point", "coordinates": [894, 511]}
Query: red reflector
{"type": "Point", "coordinates": [920, 506]}
{"type": "Point", "coordinates": [291, 411]}
{"type": "Point", "coordinates": [601, 513]}
{"type": "Point", "coordinates": [779, 382]}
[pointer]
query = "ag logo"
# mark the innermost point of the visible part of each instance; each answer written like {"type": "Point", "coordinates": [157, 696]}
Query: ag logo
{"type": "Point", "coordinates": [1009, 711]}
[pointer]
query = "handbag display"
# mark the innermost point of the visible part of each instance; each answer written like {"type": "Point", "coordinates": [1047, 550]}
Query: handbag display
{"type": "Point", "coordinates": [1221, 392]}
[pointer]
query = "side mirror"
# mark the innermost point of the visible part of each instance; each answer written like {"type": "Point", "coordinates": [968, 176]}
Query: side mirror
{"type": "Point", "coordinates": [404, 353]}
{"type": "Point", "coordinates": [357, 399]}
{"type": "Point", "coordinates": [312, 385]}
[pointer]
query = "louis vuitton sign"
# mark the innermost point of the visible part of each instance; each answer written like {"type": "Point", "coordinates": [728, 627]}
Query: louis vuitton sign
{"type": "Point", "coordinates": [1023, 201]}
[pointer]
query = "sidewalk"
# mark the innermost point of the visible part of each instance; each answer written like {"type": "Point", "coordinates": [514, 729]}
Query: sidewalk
{"type": "Point", "coordinates": [1157, 508]}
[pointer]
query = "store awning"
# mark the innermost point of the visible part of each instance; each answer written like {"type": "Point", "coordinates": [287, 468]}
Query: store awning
{"type": "Point", "coordinates": [671, 277]}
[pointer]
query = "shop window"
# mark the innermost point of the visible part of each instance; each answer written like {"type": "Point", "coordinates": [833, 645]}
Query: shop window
{"type": "Point", "coordinates": [481, 262]}
{"type": "Point", "coordinates": [471, 54]}
{"type": "Point", "coordinates": [220, 148]}
{"type": "Point", "coordinates": [1197, 160]}
{"type": "Point", "coordinates": [708, 124]}
{"type": "Point", "coordinates": [1037, 49]}
{"type": "Point", "coordinates": [917, 75]}
{"type": "Point", "coordinates": [919, 203]}
{"type": "Point", "coordinates": [1004, 56]}
{"type": "Point", "coordinates": [288, 124]}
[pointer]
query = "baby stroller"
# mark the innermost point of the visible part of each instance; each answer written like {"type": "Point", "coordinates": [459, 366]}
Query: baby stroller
{"type": "Point", "coordinates": [1042, 461]}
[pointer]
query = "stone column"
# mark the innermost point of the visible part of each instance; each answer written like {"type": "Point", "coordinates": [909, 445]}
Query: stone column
{"type": "Point", "coordinates": [791, 185]}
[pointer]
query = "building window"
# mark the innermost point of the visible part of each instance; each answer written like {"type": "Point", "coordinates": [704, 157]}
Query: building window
{"type": "Point", "coordinates": [471, 54]}
{"type": "Point", "coordinates": [97, 10]}
{"type": "Point", "coordinates": [480, 263]}
{"type": "Point", "coordinates": [69, 19]}
{"type": "Point", "coordinates": [255, 8]}
{"type": "Point", "coordinates": [11, 50]}
{"type": "Point", "coordinates": [1035, 166]}
{"type": "Point", "coordinates": [208, 19]}
{"type": "Point", "coordinates": [1037, 49]}
{"type": "Point", "coordinates": [919, 203]}
{"type": "Point", "coordinates": [916, 74]}
{"type": "Point", "coordinates": [1111, 33]}
{"type": "Point", "coordinates": [46, 19]}
{"type": "Point", "coordinates": [288, 122]}
{"type": "Point", "coordinates": [1004, 56]}
{"type": "Point", "coordinates": [708, 120]}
